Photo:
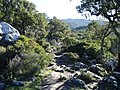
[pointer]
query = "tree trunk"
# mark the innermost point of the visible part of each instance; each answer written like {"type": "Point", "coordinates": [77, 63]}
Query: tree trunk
{"type": "Point", "coordinates": [101, 49]}
{"type": "Point", "coordinates": [23, 28]}
{"type": "Point", "coordinates": [118, 67]}
{"type": "Point", "coordinates": [118, 36]}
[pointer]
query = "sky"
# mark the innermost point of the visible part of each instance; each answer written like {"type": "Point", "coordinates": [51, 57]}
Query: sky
{"type": "Point", "coordinates": [62, 9]}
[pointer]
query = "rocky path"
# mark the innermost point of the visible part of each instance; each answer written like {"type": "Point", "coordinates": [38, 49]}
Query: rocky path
{"type": "Point", "coordinates": [63, 77]}
{"type": "Point", "coordinates": [52, 82]}
{"type": "Point", "coordinates": [56, 80]}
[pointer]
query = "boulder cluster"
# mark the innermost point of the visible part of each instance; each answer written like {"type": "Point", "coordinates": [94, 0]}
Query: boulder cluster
{"type": "Point", "coordinates": [95, 76]}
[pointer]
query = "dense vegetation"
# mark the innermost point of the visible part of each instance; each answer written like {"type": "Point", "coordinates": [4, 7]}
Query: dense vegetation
{"type": "Point", "coordinates": [109, 9]}
{"type": "Point", "coordinates": [41, 37]}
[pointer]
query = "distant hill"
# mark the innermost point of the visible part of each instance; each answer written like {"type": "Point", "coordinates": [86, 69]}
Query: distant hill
{"type": "Point", "coordinates": [78, 24]}
{"type": "Point", "coordinates": [75, 23]}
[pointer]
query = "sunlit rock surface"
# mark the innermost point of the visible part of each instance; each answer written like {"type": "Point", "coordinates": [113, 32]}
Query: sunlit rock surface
{"type": "Point", "coordinates": [8, 33]}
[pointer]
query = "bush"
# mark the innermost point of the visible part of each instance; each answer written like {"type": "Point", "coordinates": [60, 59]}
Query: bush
{"type": "Point", "coordinates": [78, 48]}
{"type": "Point", "coordinates": [2, 56]}
{"type": "Point", "coordinates": [26, 57]}
{"type": "Point", "coordinates": [72, 56]}
{"type": "Point", "coordinates": [2, 50]}
{"type": "Point", "coordinates": [90, 49]}
{"type": "Point", "coordinates": [87, 77]}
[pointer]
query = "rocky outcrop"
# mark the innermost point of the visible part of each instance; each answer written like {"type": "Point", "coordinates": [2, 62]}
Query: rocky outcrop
{"type": "Point", "coordinates": [8, 33]}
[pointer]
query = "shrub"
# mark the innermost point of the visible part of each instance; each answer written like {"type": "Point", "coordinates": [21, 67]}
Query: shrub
{"type": "Point", "coordinates": [88, 48]}
{"type": "Point", "coordinates": [72, 56]}
{"type": "Point", "coordinates": [87, 77]}
{"type": "Point", "coordinates": [78, 48]}
{"type": "Point", "coordinates": [26, 57]}
{"type": "Point", "coordinates": [2, 50]}
{"type": "Point", "coordinates": [2, 56]}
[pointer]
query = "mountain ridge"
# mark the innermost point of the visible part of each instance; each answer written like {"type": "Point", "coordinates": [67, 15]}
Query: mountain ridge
{"type": "Point", "coordinates": [77, 24]}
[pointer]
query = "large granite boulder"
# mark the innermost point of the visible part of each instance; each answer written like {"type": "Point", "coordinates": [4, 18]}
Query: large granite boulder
{"type": "Point", "coordinates": [8, 33]}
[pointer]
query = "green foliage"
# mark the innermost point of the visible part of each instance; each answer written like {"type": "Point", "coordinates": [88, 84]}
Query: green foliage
{"type": "Point", "coordinates": [26, 58]}
{"type": "Point", "coordinates": [78, 48]}
{"type": "Point", "coordinates": [109, 9]}
{"type": "Point", "coordinates": [91, 49]}
{"type": "Point", "coordinates": [68, 41]}
{"type": "Point", "coordinates": [87, 77]}
{"type": "Point", "coordinates": [31, 64]}
{"type": "Point", "coordinates": [19, 13]}
{"type": "Point", "coordinates": [2, 50]}
{"type": "Point", "coordinates": [57, 29]}
{"type": "Point", "coordinates": [23, 16]}
{"type": "Point", "coordinates": [2, 56]}
{"type": "Point", "coordinates": [100, 7]}
{"type": "Point", "coordinates": [107, 46]}
{"type": "Point", "coordinates": [72, 56]}
{"type": "Point", "coordinates": [21, 88]}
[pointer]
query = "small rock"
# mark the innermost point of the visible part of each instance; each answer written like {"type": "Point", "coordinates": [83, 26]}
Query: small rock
{"type": "Point", "coordinates": [93, 62]}
{"type": "Point", "coordinates": [92, 85]}
{"type": "Point", "coordinates": [69, 70]}
{"type": "Point", "coordinates": [62, 77]}
{"type": "Point", "coordinates": [116, 75]}
{"type": "Point", "coordinates": [59, 69]}
{"type": "Point", "coordinates": [79, 65]}
{"type": "Point", "coordinates": [18, 83]}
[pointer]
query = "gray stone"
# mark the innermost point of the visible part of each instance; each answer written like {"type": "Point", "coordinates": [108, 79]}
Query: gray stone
{"type": "Point", "coordinates": [95, 75]}
{"type": "Point", "coordinates": [98, 69]}
{"type": "Point", "coordinates": [92, 85]}
{"type": "Point", "coordinates": [116, 75]}
{"type": "Point", "coordinates": [110, 64]}
{"type": "Point", "coordinates": [79, 65]}
{"type": "Point", "coordinates": [8, 32]}
{"type": "Point", "coordinates": [75, 82]}
{"type": "Point", "coordinates": [69, 70]}
{"type": "Point", "coordinates": [59, 69]}
{"type": "Point", "coordinates": [18, 83]}
{"type": "Point", "coordinates": [108, 83]}
{"type": "Point", "coordinates": [93, 62]}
